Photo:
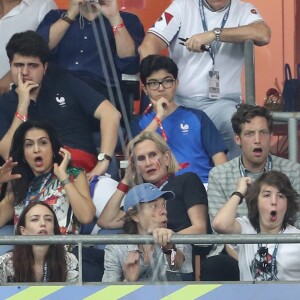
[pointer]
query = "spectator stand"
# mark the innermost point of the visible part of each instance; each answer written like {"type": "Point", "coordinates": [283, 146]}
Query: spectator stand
{"type": "Point", "coordinates": [280, 118]}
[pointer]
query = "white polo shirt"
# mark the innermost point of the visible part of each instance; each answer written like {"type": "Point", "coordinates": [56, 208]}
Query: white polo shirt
{"type": "Point", "coordinates": [182, 19]}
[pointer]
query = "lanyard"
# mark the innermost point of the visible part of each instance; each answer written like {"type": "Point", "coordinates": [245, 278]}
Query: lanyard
{"type": "Point", "coordinates": [204, 24]}
{"type": "Point", "coordinates": [268, 167]}
{"type": "Point", "coordinates": [41, 190]}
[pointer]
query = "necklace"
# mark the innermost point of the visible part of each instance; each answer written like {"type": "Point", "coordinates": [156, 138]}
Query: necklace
{"type": "Point", "coordinates": [45, 273]}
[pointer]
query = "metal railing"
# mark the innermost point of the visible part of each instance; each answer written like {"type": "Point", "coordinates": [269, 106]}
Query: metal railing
{"type": "Point", "coordinates": [204, 239]}
{"type": "Point", "coordinates": [249, 72]}
{"type": "Point", "coordinates": [291, 118]}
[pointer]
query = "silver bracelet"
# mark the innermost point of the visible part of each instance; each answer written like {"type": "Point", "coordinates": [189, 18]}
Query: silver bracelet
{"type": "Point", "coordinates": [65, 181]}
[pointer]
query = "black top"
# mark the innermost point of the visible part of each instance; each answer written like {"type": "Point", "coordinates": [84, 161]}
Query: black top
{"type": "Point", "coordinates": [189, 191]}
{"type": "Point", "coordinates": [65, 101]}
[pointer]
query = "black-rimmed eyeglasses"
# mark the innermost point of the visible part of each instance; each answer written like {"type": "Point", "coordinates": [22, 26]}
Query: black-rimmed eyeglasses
{"type": "Point", "coordinates": [166, 83]}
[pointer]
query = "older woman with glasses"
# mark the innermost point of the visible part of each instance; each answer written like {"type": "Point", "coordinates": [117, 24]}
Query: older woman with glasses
{"type": "Point", "coordinates": [272, 207]}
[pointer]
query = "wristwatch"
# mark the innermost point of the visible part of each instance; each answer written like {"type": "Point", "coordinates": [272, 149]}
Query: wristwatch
{"type": "Point", "coordinates": [102, 156]}
{"type": "Point", "coordinates": [64, 16]}
{"type": "Point", "coordinates": [217, 32]}
{"type": "Point", "coordinates": [169, 251]}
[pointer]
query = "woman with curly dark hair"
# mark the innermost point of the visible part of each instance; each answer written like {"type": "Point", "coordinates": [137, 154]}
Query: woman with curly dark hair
{"type": "Point", "coordinates": [38, 263]}
{"type": "Point", "coordinates": [272, 206]}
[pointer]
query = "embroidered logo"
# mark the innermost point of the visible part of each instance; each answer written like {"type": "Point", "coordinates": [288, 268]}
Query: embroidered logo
{"type": "Point", "coordinates": [61, 101]}
{"type": "Point", "coordinates": [184, 128]}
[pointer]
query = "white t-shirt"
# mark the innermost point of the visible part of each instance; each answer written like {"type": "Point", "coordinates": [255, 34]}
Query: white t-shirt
{"type": "Point", "coordinates": [25, 16]}
{"type": "Point", "coordinates": [182, 19]}
{"type": "Point", "coordinates": [287, 258]}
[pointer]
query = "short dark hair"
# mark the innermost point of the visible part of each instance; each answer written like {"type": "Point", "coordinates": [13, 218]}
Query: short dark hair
{"type": "Point", "coordinates": [280, 181]}
{"type": "Point", "coordinates": [153, 63]}
{"type": "Point", "coordinates": [28, 43]}
{"type": "Point", "coordinates": [245, 113]}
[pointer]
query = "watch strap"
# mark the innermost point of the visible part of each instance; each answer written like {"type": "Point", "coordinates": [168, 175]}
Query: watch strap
{"type": "Point", "coordinates": [106, 156]}
{"type": "Point", "coordinates": [64, 16]}
{"type": "Point", "coordinates": [240, 195]}
{"type": "Point", "coordinates": [217, 32]}
{"type": "Point", "coordinates": [168, 251]}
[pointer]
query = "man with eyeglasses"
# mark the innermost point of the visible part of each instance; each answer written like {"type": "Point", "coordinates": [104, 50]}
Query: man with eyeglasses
{"type": "Point", "coordinates": [191, 135]}
{"type": "Point", "coordinates": [205, 38]}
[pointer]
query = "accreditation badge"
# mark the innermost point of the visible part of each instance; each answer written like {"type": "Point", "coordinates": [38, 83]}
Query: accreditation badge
{"type": "Point", "coordinates": [214, 85]}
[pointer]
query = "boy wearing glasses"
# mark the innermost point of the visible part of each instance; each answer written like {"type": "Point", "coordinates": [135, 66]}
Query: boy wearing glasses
{"type": "Point", "coordinates": [205, 38]}
{"type": "Point", "coordinates": [191, 135]}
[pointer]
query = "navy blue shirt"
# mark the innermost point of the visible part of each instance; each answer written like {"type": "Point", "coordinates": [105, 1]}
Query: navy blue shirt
{"type": "Point", "coordinates": [65, 101]}
{"type": "Point", "coordinates": [78, 50]}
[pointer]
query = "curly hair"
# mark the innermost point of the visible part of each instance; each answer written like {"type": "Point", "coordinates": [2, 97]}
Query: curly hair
{"type": "Point", "coordinates": [245, 113]}
{"type": "Point", "coordinates": [280, 181]}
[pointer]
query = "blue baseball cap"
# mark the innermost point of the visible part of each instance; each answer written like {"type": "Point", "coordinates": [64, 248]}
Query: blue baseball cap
{"type": "Point", "coordinates": [145, 192]}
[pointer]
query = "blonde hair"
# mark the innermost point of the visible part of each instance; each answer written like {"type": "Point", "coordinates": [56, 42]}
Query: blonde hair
{"type": "Point", "coordinates": [161, 145]}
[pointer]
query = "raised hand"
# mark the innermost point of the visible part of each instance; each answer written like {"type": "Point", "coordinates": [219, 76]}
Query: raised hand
{"type": "Point", "coordinates": [61, 170]}
{"type": "Point", "coordinates": [242, 184]}
{"type": "Point", "coordinates": [110, 9]}
{"type": "Point", "coordinates": [74, 8]}
{"type": "Point", "coordinates": [161, 107]}
{"type": "Point", "coordinates": [162, 236]}
{"type": "Point", "coordinates": [23, 90]}
{"type": "Point", "coordinates": [5, 171]}
{"type": "Point", "coordinates": [132, 266]}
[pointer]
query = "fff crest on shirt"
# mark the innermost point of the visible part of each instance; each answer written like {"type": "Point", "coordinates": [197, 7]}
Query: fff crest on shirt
{"type": "Point", "coordinates": [61, 101]}
{"type": "Point", "coordinates": [184, 128]}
